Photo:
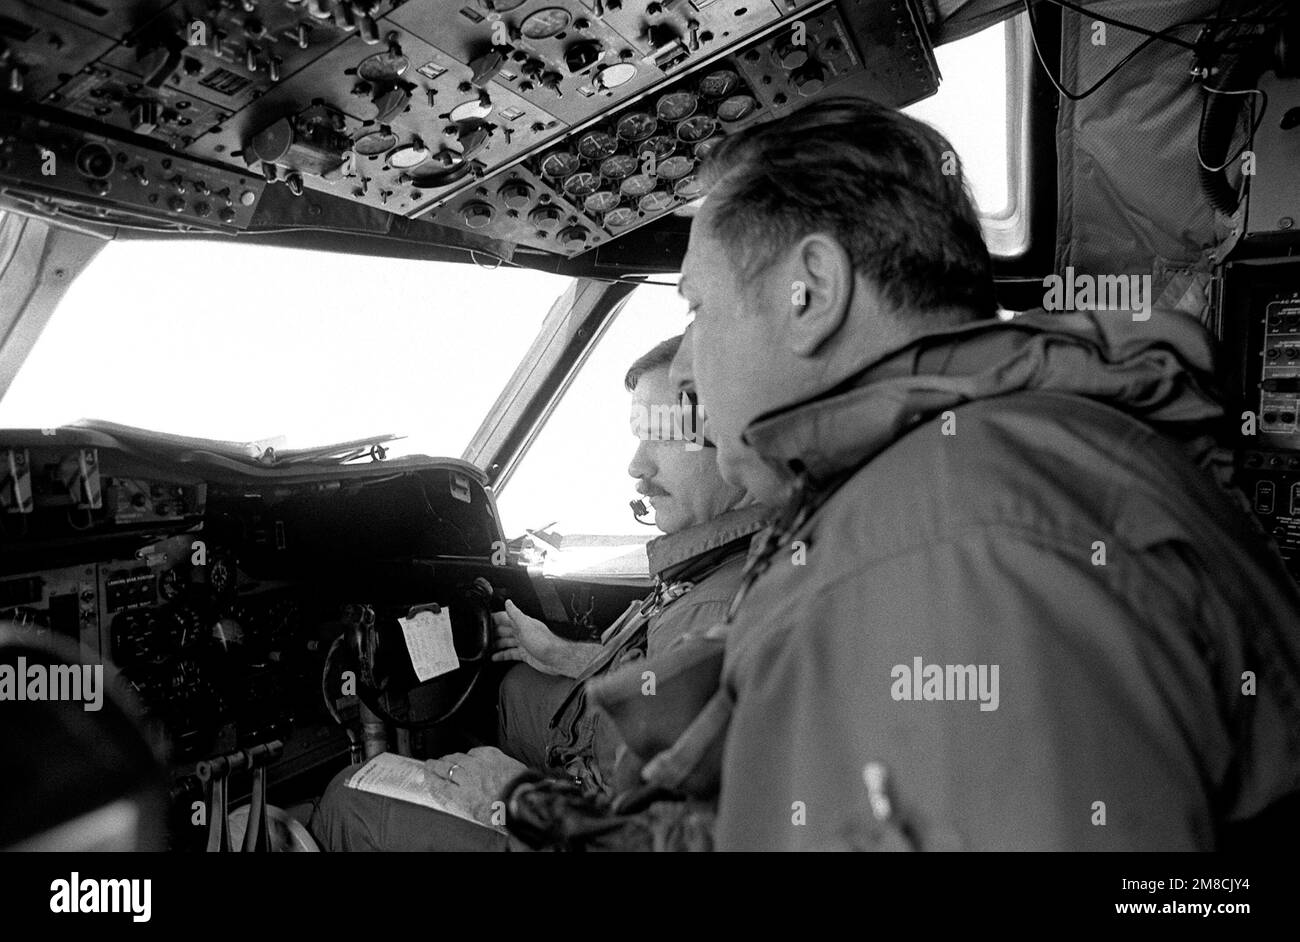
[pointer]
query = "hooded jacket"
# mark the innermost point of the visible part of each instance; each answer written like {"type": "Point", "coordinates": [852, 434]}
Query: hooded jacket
{"type": "Point", "coordinates": [1026, 615]}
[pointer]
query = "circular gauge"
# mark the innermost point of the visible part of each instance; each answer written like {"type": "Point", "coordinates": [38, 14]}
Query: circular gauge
{"type": "Point", "coordinates": [676, 105]}
{"type": "Point", "coordinates": [688, 187]}
{"type": "Point", "coordinates": [637, 186]}
{"type": "Point", "coordinates": [505, 6]}
{"type": "Point", "coordinates": [186, 628]}
{"type": "Point", "coordinates": [136, 639]}
{"type": "Point", "coordinates": [636, 126]}
{"type": "Point", "coordinates": [408, 156]}
{"type": "Point", "coordinates": [616, 218]}
{"type": "Point", "coordinates": [545, 23]}
{"type": "Point", "coordinates": [655, 201]}
{"type": "Point", "coordinates": [736, 107]}
{"type": "Point", "coordinates": [696, 129]}
{"type": "Point", "coordinates": [601, 202]}
{"type": "Point", "coordinates": [661, 145]}
{"type": "Point", "coordinates": [582, 184]}
{"type": "Point", "coordinates": [558, 164]}
{"type": "Point", "coordinates": [383, 67]}
{"type": "Point", "coordinates": [618, 166]}
{"type": "Point", "coordinates": [467, 110]}
{"type": "Point", "coordinates": [228, 633]}
{"type": "Point", "coordinates": [612, 76]}
{"type": "Point", "coordinates": [719, 83]}
{"type": "Point", "coordinates": [445, 168]}
{"type": "Point", "coordinates": [219, 576]}
{"type": "Point", "coordinates": [704, 148]}
{"type": "Point", "coordinates": [674, 168]}
{"type": "Point", "coordinates": [375, 143]}
{"type": "Point", "coordinates": [597, 145]}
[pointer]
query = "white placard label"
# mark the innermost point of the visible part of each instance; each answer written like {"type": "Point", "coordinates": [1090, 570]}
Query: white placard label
{"type": "Point", "coordinates": [430, 644]}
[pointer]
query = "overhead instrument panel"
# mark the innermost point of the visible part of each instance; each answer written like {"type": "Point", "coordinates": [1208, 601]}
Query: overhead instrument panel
{"type": "Point", "coordinates": [548, 125]}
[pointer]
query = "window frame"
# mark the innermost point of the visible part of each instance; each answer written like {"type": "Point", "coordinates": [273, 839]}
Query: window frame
{"type": "Point", "coordinates": [1008, 233]}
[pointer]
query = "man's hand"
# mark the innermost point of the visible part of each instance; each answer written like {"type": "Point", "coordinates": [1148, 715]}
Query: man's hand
{"type": "Point", "coordinates": [521, 638]}
{"type": "Point", "coordinates": [474, 780]}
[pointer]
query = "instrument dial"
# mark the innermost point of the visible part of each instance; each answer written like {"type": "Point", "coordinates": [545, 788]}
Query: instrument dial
{"type": "Point", "coordinates": [545, 23]}
{"type": "Point", "coordinates": [470, 110]}
{"type": "Point", "coordinates": [559, 164]}
{"type": "Point", "coordinates": [408, 156]}
{"type": "Point", "coordinates": [637, 186]}
{"type": "Point", "coordinates": [674, 168]}
{"type": "Point", "coordinates": [582, 184]}
{"type": "Point", "coordinates": [596, 145]}
{"type": "Point", "coordinates": [718, 84]}
{"type": "Point", "coordinates": [220, 578]}
{"type": "Point", "coordinates": [622, 216]}
{"type": "Point", "coordinates": [661, 145]}
{"type": "Point", "coordinates": [185, 628]}
{"type": "Point", "coordinates": [375, 143]}
{"type": "Point", "coordinates": [136, 639]}
{"type": "Point", "coordinates": [618, 166]}
{"type": "Point", "coordinates": [696, 129]}
{"type": "Point", "coordinates": [383, 67]}
{"type": "Point", "coordinates": [600, 202]}
{"type": "Point", "coordinates": [612, 76]}
{"type": "Point", "coordinates": [737, 107]}
{"type": "Point", "coordinates": [688, 188]}
{"type": "Point", "coordinates": [676, 105]}
{"type": "Point", "coordinates": [636, 126]}
{"type": "Point", "coordinates": [655, 201]}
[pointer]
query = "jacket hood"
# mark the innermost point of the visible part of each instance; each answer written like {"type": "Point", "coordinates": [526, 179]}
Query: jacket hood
{"type": "Point", "coordinates": [1159, 371]}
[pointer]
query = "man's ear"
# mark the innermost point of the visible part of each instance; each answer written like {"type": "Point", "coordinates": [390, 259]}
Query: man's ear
{"type": "Point", "coordinates": [821, 291]}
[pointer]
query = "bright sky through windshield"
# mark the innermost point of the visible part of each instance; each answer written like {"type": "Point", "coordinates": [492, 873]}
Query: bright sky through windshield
{"type": "Point", "coordinates": [244, 342]}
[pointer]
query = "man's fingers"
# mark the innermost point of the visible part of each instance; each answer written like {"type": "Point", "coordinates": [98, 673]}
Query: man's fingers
{"type": "Point", "coordinates": [440, 787]}
{"type": "Point", "coordinates": [508, 654]}
{"type": "Point", "coordinates": [517, 618]}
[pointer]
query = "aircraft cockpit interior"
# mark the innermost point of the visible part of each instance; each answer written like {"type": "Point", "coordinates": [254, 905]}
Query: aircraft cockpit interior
{"type": "Point", "coordinates": [319, 321]}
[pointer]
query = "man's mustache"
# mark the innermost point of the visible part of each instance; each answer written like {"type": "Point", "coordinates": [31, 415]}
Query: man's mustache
{"type": "Point", "coordinates": [650, 489]}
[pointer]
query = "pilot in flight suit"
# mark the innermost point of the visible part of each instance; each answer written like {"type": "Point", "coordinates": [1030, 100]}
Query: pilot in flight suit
{"type": "Point", "coordinates": [545, 721]}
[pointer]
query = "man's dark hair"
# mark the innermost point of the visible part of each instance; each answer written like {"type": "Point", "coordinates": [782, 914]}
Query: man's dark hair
{"type": "Point", "coordinates": [660, 355]}
{"type": "Point", "coordinates": [874, 179]}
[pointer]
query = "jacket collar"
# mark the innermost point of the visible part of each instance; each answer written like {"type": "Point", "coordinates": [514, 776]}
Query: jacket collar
{"type": "Point", "coordinates": [1159, 371]}
{"type": "Point", "coordinates": [678, 555]}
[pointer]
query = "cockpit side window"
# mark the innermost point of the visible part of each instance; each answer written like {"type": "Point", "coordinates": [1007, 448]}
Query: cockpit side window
{"type": "Point", "coordinates": [982, 108]}
{"type": "Point", "coordinates": [574, 476]}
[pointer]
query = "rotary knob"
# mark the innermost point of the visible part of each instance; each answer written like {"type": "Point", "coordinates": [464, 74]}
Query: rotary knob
{"type": "Point", "coordinates": [809, 80]}
{"type": "Point", "coordinates": [791, 56]}
{"type": "Point", "coordinates": [477, 215]}
{"type": "Point", "coordinates": [516, 194]}
{"type": "Point", "coordinates": [546, 218]}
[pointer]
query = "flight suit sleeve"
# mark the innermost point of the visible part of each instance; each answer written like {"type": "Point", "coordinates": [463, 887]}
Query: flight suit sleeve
{"type": "Point", "coordinates": [1092, 724]}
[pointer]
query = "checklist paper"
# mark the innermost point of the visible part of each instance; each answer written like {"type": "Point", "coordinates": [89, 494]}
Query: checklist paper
{"type": "Point", "coordinates": [430, 644]}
